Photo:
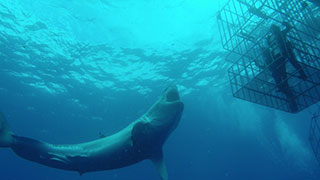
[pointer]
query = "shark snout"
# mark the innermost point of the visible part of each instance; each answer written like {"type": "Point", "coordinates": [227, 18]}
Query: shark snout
{"type": "Point", "coordinates": [172, 94]}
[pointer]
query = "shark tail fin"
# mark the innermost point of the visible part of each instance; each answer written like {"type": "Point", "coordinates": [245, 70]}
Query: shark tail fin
{"type": "Point", "coordinates": [6, 138]}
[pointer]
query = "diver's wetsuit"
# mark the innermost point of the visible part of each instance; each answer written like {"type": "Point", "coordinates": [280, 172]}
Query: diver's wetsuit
{"type": "Point", "coordinates": [280, 51]}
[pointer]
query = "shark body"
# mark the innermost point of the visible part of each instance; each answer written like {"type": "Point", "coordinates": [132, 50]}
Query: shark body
{"type": "Point", "coordinates": [142, 139]}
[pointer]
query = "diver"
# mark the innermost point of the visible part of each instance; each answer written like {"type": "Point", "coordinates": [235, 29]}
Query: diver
{"type": "Point", "coordinates": [278, 72]}
{"type": "Point", "coordinates": [282, 49]}
{"type": "Point", "coordinates": [275, 55]}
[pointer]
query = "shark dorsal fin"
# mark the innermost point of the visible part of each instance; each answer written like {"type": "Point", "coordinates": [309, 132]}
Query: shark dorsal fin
{"type": "Point", "coordinates": [157, 160]}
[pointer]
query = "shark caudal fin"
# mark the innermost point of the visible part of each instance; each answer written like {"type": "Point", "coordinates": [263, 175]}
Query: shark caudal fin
{"type": "Point", "coordinates": [6, 138]}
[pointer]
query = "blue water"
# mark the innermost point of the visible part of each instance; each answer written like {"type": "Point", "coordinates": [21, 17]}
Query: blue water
{"type": "Point", "coordinates": [70, 70]}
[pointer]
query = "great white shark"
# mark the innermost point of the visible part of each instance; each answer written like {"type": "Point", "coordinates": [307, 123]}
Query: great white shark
{"type": "Point", "coordinates": [142, 139]}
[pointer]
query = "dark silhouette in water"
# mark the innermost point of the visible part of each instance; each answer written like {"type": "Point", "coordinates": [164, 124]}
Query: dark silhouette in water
{"type": "Point", "coordinates": [275, 56]}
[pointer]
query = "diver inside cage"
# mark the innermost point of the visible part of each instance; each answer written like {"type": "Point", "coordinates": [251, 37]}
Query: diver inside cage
{"type": "Point", "coordinates": [277, 51]}
{"type": "Point", "coordinates": [277, 67]}
{"type": "Point", "coordinates": [282, 49]}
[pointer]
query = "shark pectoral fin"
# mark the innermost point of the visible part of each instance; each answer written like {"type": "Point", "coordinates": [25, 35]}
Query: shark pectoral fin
{"type": "Point", "coordinates": [141, 135]}
{"type": "Point", "coordinates": [158, 162]}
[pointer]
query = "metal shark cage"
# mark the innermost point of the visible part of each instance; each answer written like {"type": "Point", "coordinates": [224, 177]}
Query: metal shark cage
{"type": "Point", "coordinates": [314, 135]}
{"type": "Point", "coordinates": [244, 26]}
